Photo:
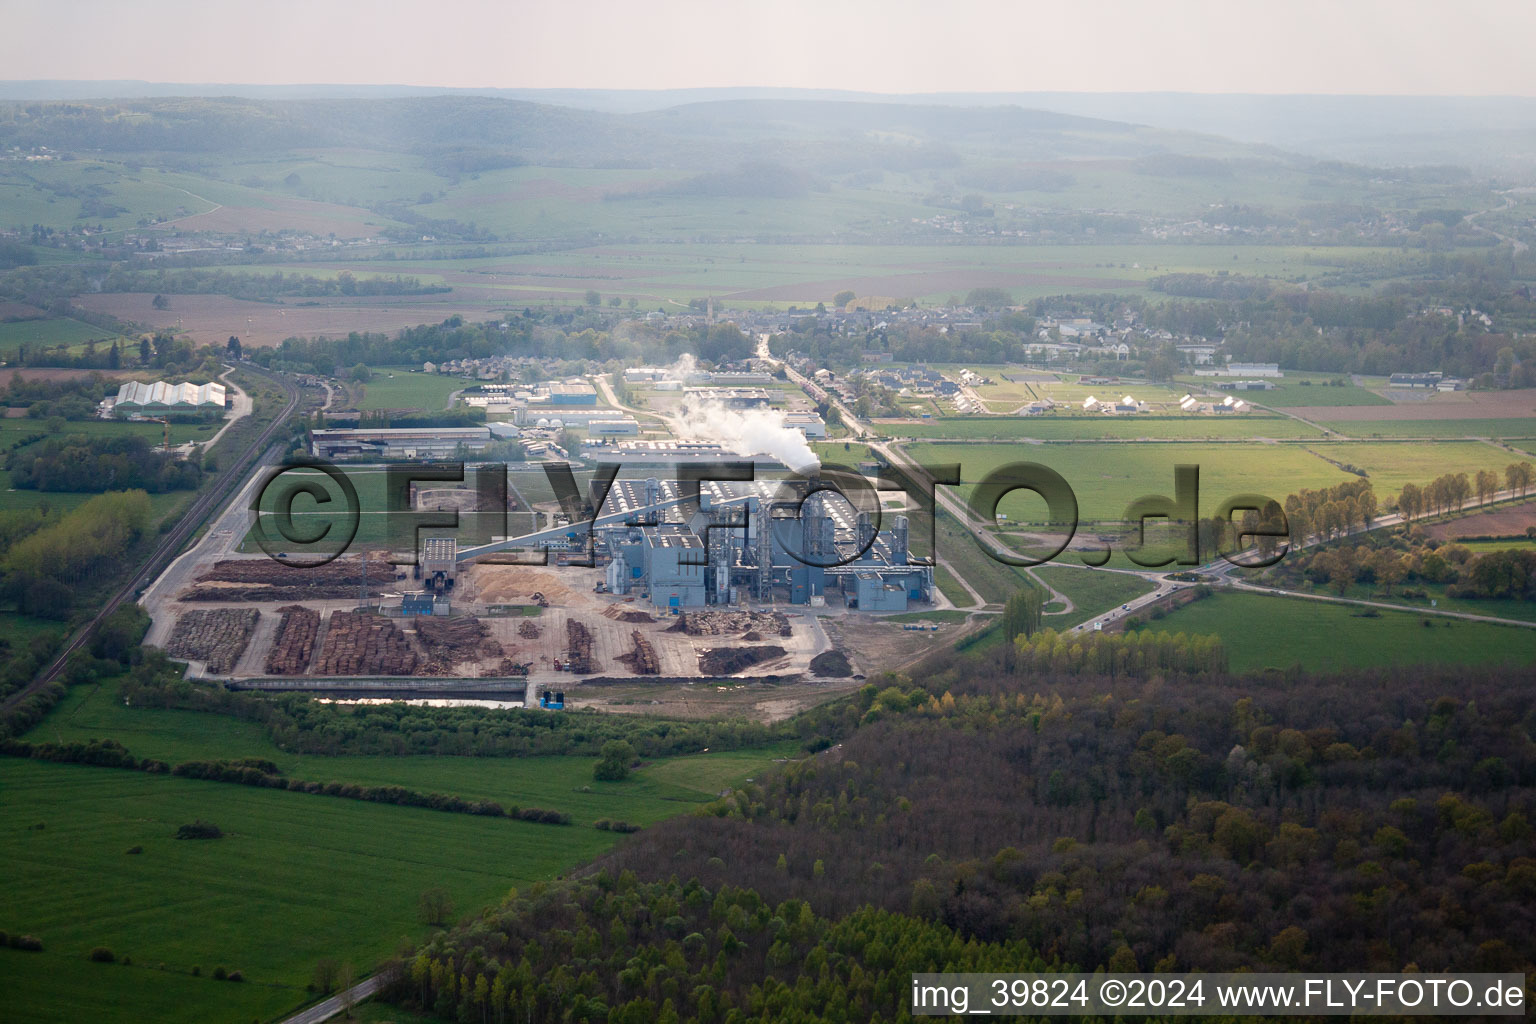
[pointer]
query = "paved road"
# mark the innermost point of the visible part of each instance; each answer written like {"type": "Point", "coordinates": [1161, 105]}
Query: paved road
{"type": "Point", "coordinates": [166, 550]}
{"type": "Point", "coordinates": [334, 1005]}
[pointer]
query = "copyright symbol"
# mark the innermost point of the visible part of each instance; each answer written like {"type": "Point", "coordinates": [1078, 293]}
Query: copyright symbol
{"type": "Point", "coordinates": [1112, 992]}
{"type": "Point", "coordinates": [273, 504]}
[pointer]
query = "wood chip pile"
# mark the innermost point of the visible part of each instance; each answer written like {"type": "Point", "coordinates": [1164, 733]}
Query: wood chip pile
{"type": "Point", "coordinates": [217, 637]}
{"type": "Point", "coordinates": [730, 623]}
{"type": "Point", "coordinates": [725, 661]}
{"type": "Point", "coordinates": [295, 643]}
{"type": "Point", "coordinates": [450, 642]}
{"type": "Point", "coordinates": [622, 614]}
{"type": "Point", "coordinates": [365, 645]}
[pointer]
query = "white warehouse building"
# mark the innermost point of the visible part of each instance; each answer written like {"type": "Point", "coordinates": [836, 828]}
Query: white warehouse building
{"type": "Point", "coordinates": [159, 398]}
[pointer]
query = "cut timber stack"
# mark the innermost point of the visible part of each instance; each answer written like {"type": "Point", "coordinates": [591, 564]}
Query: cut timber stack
{"type": "Point", "coordinates": [217, 637]}
{"type": "Point", "coordinates": [261, 579]}
{"type": "Point", "coordinates": [579, 643]}
{"type": "Point", "coordinates": [642, 656]}
{"type": "Point", "coordinates": [365, 645]}
{"type": "Point", "coordinates": [295, 643]}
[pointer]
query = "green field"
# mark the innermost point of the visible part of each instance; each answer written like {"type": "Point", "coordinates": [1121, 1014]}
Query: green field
{"type": "Point", "coordinates": [1392, 464]}
{"type": "Point", "coordinates": [1299, 390]}
{"type": "Point", "coordinates": [394, 388]}
{"type": "Point", "coordinates": [39, 334]}
{"type": "Point", "coordinates": [1482, 547]}
{"type": "Point", "coordinates": [1108, 476]}
{"type": "Point", "coordinates": [1262, 632]}
{"type": "Point", "coordinates": [15, 430]}
{"type": "Point", "coordinates": [1069, 427]}
{"type": "Point", "coordinates": [297, 878]}
{"type": "Point", "coordinates": [1512, 427]}
{"type": "Point", "coordinates": [662, 788]}
{"type": "Point", "coordinates": [1092, 592]}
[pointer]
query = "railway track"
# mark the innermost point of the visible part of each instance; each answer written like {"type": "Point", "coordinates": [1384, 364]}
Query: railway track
{"type": "Point", "coordinates": [198, 513]}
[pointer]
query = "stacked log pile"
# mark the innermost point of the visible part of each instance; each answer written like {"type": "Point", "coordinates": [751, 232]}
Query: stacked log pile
{"type": "Point", "coordinates": [217, 637]}
{"type": "Point", "coordinates": [529, 630]}
{"type": "Point", "coordinates": [295, 643]}
{"type": "Point", "coordinates": [450, 642]}
{"type": "Point", "coordinates": [265, 579]}
{"type": "Point", "coordinates": [641, 659]}
{"type": "Point", "coordinates": [579, 648]}
{"type": "Point", "coordinates": [365, 645]}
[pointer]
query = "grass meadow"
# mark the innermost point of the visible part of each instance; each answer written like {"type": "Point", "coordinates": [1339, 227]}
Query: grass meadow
{"type": "Point", "coordinates": [1262, 632]}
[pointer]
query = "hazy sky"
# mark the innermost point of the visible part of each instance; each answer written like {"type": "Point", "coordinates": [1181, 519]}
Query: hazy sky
{"type": "Point", "coordinates": [1424, 47]}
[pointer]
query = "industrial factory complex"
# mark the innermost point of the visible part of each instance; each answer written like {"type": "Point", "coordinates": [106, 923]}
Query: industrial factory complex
{"type": "Point", "coordinates": [761, 541]}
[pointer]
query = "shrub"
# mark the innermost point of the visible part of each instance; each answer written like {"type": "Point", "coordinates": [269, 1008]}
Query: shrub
{"type": "Point", "coordinates": [134, 851]}
{"type": "Point", "coordinates": [235, 976]}
{"type": "Point", "coordinates": [28, 943]}
{"type": "Point", "coordinates": [199, 830]}
{"type": "Point", "coordinates": [102, 955]}
{"type": "Point", "coordinates": [219, 974]}
{"type": "Point", "coordinates": [608, 825]}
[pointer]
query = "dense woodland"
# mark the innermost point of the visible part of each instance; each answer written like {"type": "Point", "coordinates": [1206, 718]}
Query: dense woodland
{"type": "Point", "coordinates": [80, 462]}
{"type": "Point", "coordinates": [979, 818]}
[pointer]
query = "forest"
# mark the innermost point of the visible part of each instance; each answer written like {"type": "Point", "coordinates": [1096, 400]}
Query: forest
{"type": "Point", "coordinates": [1144, 816]}
{"type": "Point", "coordinates": [94, 464]}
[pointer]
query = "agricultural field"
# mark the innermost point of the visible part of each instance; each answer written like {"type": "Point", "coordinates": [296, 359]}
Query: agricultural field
{"type": "Point", "coordinates": [527, 485]}
{"type": "Point", "coordinates": [39, 334]}
{"type": "Point", "coordinates": [1436, 428]}
{"type": "Point", "coordinates": [658, 790]}
{"type": "Point", "coordinates": [1087, 427]}
{"type": "Point", "coordinates": [1300, 390]}
{"type": "Point", "coordinates": [1262, 632]}
{"type": "Point", "coordinates": [296, 878]}
{"type": "Point", "coordinates": [1390, 465]}
{"type": "Point", "coordinates": [399, 388]}
{"type": "Point", "coordinates": [1108, 476]}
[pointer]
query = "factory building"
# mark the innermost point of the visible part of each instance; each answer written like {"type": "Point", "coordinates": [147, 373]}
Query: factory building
{"type": "Point", "coordinates": [571, 394]}
{"type": "Point", "coordinates": [617, 426]}
{"type": "Point", "coordinates": [766, 541]}
{"type": "Point", "coordinates": [669, 453]}
{"type": "Point", "coordinates": [569, 416]}
{"type": "Point", "coordinates": [403, 443]}
{"type": "Point", "coordinates": [731, 398]}
{"type": "Point", "coordinates": [161, 398]}
{"type": "Point", "coordinates": [808, 423]}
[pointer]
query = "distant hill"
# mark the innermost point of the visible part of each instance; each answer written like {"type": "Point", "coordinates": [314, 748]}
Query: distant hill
{"type": "Point", "coordinates": [465, 133]}
{"type": "Point", "coordinates": [1384, 130]}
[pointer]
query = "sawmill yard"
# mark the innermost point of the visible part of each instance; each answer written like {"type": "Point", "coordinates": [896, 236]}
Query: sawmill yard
{"type": "Point", "coordinates": [248, 618]}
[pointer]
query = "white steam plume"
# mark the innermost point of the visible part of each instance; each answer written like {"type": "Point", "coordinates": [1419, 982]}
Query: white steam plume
{"type": "Point", "coordinates": [685, 367]}
{"type": "Point", "coordinates": [747, 432]}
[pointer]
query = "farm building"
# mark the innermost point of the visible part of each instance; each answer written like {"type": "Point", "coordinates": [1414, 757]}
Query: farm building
{"type": "Point", "coordinates": [160, 398]}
